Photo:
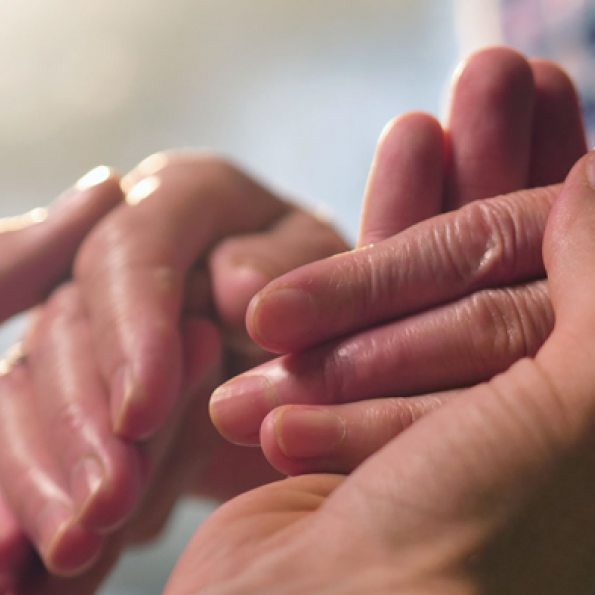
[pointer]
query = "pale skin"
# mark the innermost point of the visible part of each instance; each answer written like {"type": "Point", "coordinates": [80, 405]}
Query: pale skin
{"type": "Point", "coordinates": [65, 327]}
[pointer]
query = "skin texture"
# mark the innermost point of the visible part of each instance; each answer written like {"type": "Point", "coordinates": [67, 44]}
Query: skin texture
{"type": "Point", "coordinates": [491, 493]}
{"type": "Point", "coordinates": [94, 490]}
{"type": "Point", "coordinates": [37, 257]}
{"type": "Point", "coordinates": [456, 299]}
{"type": "Point", "coordinates": [159, 291]}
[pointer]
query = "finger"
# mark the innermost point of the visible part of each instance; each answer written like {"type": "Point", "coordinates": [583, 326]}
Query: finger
{"type": "Point", "coordinates": [405, 183]}
{"type": "Point", "coordinates": [37, 581]}
{"type": "Point", "coordinates": [39, 247]}
{"type": "Point", "coordinates": [459, 344]}
{"type": "Point", "coordinates": [528, 429]}
{"type": "Point", "coordinates": [558, 138]}
{"type": "Point", "coordinates": [568, 248]}
{"type": "Point", "coordinates": [487, 244]}
{"type": "Point", "coordinates": [104, 472]}
{"type": "Point", "coordinates": [490, 127]}
{"type": "Point", "coordinates": [241, 266]}
{"type": "Point", "coordinates": [15, 549]}
{"type": "Point", "coordinates": [336, 439]}
{"type": "Point", "coordinates": [34, 488]}
{"type": "Point", "coordinates": [185, 431]}
{"type": "Point", "coordinates": [132, 272]}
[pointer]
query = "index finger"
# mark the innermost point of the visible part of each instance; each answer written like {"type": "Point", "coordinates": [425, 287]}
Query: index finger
{"type": "Point", "coordinates": [133, 268]}
{"type": "Point", "coordinates": [484, 244]}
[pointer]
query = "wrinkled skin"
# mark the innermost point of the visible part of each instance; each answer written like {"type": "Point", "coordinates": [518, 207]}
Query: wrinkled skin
{"type": "Point", "coordinates": [145, 269]}
{"type": "Point", "coordinates": [490, 493]}
{"type": "Point", "coordinates": [433, 305]}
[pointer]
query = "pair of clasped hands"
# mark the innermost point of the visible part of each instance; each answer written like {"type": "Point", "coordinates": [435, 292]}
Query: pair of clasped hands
{"type": "Point", "coordinates": [482, 483]}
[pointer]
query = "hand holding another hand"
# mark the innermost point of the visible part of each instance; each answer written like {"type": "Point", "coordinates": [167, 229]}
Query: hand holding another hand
{"type": "Point", "coordinates": [378, 337]}
{"type": "Point", "coordinates": [490, 493]}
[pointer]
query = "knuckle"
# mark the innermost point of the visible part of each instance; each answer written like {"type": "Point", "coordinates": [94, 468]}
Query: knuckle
{"type": "Point", "coordinates": [493, 240]}
{"type": "Point", "coordinates": [481, 242]}
{"type": "Point", "coordinates": [69, 418]}
{"type": "Point", "coordinates": [509, 324]}
{"type": "Point", "coordinates": [358, 287]}
{"type": "Point", "coordinates": [337, 373]}
{"type": "Point", "coordinates": [497, 329]}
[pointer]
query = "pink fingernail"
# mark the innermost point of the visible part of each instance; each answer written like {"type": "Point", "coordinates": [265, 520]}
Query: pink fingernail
{"type": "Point", "coordinates": [86, 481]}
{"type": "Point", "coordinates": [52, 524]}
{"type": "Point", "coordinates": [239, 406]}
{"type": "Point", "coordinates": [121, 395]}
{"type": "Point", "coordinates": [285, 313]}
{"type": "Point", "coordinates": [308, 433]}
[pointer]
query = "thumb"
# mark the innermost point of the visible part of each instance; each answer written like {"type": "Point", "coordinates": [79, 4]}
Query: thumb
{"type": "Point", "coordinates": [569, 252]}
{"type": "Point", "coordinates": [37, 249]}
{"type": "Point", "coordinates": [524, 437]}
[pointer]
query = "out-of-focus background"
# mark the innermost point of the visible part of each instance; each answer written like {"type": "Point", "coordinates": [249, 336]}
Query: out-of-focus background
{"type": "Point", "coordinates": [297, 91]}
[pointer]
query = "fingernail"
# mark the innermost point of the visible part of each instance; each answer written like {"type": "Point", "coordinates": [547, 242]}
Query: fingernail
{"type": "Point", "coordinates": [121, 396]}
{"type": "Point", "coordinates": [286, 312]}
{"type": "Point", "coordinates": [239, 406]}
{"type": "Point", "coordinates": [22, 221]}
{"type": "Point", "coordinates": [150, 166]}
{"type": "Point", "coordinates": [76, 194]}
{"type": "Point", "coordinates": [590, 167]}
{"type": "Point", "coordinates": [52, 523]}
{"type": "Point", "coordinates": [142, 190]}
{"type": "Point", "coordinates": [94, 177]}
{"type": "Point", "coordinates": [308, 433]}
{"type": "Point", "coordinates": [86, 481]}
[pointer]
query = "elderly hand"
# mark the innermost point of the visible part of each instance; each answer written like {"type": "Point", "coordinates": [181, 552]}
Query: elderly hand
{"type": "Point", "coordinates": [491, 493]}
{"type": "Point", "coordinates": [442, 305]}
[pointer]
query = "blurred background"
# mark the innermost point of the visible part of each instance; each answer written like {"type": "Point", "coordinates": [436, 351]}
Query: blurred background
{"type": "Point", "coordinates": [296, 91]}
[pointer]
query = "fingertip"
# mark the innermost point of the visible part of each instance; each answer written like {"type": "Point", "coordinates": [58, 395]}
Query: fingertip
{"type": "Point", "coordinates": [235, 283]}
{"type": "Point", "coordinates": [405, 182]}
{"type": "Point", "coordinates": [106, 493]}
{"type": "Point", "coordinates": [14, 548]}
{"type": "Point", "coordinates": [145, 388]}
{"type": "Point", "coordinates": [238, 407]}
{"type": "Point", "coordinates": [302, 439]}
{"type": "Point", "coordinates": [72, 550]}
{"type": "Point", "coordinates": [558, 132]}
{"type": "Point", "coordinates": [282, 315]}
{"type": "Point", "coordinates": [501, 61]}
{"type": "Point", "coordinates": [485, 66]}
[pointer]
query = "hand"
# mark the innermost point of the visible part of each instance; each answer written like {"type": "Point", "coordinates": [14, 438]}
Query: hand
{"type": "Point", "coordinates": [444, 304]}
{"type": "Point", "coordinates": [164, 281]}
{"type": "Point", "coordinates": [38, 250]}
{"type": "Point", "coordinates": [491, 493]}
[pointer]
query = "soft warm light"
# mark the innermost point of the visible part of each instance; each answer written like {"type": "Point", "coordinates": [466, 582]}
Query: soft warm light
{"type": "Point", "coordinates": [142, 190]}
{"type": "Point", "coordinates": [95, 176]}
{"type": "Point", "coordinates": [22, 221]}
{"type": "Point", "coordinates": [152, 164]}
{"type": "Point", "coordinates": [37, 215]}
